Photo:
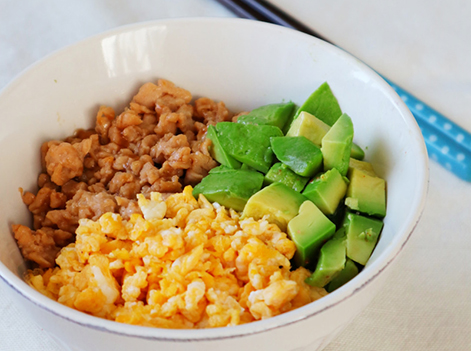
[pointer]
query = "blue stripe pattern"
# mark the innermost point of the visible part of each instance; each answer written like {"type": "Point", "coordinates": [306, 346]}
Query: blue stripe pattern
{"type": "Point", "coordinates": [446, 142]}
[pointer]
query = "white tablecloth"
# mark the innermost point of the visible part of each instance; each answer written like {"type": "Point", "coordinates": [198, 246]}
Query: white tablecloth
{"type": "Point", "coordinates": [423, 45]}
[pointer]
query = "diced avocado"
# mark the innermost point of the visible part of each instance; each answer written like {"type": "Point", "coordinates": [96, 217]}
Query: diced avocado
{"type": "Point", "coordinates": [337, 145]}
{"type": "Point", "coordinates": [357, 152]}
{"type": "Point", "coordinates": [331, 262]}
{"type": "Point", "coordinates": [366, 192]}
{"type": "Point", "coordinates": [362, 233]}
{"type": "Point", "coordinates": [217, 152]}
{"type": "Point", "coordinates": [221, 169]}
{"type": "Point", "coordinates": [248, 143]}
{"type": "Point", "coordinates": [299, 154]}
{"type": "Point", "coordinates": [274, 115]}
{"type": "Point", "coordinates": [279, 172]}
{"type": "Point", "coordinates": [246, 168]}
{"type": "Point", "coordinates": [309, 230]}
{"type": "Point", "coordinates": [323, 104]}
{"type": "Point", "coordinates": [314, 129]}
{"type": "Point", "coordinates": [326, 191]}
{"type": "Point", "coordinates": [340, 233]}
{"type": "Point", "coordinates": [363, 166]}
{"type": "Point", "coordinates": [277, 201]}
{"type": "Point", "coordinates": [231, 188]}
{"type": "Point", "coordinates": [347, 274]}
{"type": "Point", "coordinates": [308, 126]}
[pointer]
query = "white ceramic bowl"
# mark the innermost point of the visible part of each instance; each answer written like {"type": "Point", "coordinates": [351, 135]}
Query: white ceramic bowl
{"type": "Point", "coordinates": [245, 64]}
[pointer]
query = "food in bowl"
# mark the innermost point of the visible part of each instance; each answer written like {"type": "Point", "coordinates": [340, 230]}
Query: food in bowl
{"type": "Point", "coordinates": [102, 170]}
{"type": "Point", "coordinates": [173, 261]}
{"type": "Point", "coordinates": [287, 65]}
{"type": "Point", "coordinates": [183, 264]}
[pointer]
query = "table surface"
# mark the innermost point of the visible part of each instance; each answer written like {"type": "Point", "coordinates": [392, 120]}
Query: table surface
{"type": "Point", "coordinates": [423, 45]}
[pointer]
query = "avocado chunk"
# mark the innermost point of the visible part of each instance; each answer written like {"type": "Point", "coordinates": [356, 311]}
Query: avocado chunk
{"type": "Point", "coordinates": [341, 233]}
{"type": "Point", "coordinates": [309, 230]}
{"type": "Point", "coordinates": [366, 192]}
{"type": "Point", "coordinates": [299, 154]}
{"type": "Point", "coordinates": [308, 126]}
{"type": "Point", "coordinates": [337, 145]}
{"type": "Point", "coordinates": [217, 152]}
{"type": "Point", "coordinates": [347, 274]}
{"type": "Point", "coordinates": [246, 168]}
{"type": "Point", "coordinates": [314, 129]}
{"type": "Point", "coordinates": [331, 262]}
{"type": "Point", "coordinates": [220, 169]}
{"type": "Point", "coordinates": [357, 152]}
{"type": "Point", "coordinates": [229, 188]}
{"type": "Point", "coordinates": [273, 114]}
{"type": "Point", "coordinates": [326, 191]}
{"type": "Point", "coordinates": [323, 104]}
{"type": "Point", "coordinates": [248, 143]}
{"type": "Point", "coordinates": [362, 233]}
{"type": "Point", "coordinates": [277, 201]}
{"type": "Point", "coordinates": [363, 166]}
{"type": "Point", "coordinates": [279, 172]}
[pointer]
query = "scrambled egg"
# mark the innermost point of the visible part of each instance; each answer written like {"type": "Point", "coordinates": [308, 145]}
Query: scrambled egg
{"type": "Point", "coordinates": [182, 264]}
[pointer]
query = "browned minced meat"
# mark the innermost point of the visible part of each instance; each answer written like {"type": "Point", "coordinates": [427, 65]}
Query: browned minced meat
{"type": "Point", "coordinates": [41, 246]}
{"type": "Point", "coordinates": [158, 143]}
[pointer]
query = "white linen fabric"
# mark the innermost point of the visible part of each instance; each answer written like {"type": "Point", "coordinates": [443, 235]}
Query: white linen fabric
{"type": "Point", "coordinates": [422, 45]}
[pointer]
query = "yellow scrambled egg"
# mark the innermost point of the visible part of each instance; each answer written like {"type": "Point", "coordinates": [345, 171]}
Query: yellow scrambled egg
{"type": "Point", "coordinates": [182, 264]}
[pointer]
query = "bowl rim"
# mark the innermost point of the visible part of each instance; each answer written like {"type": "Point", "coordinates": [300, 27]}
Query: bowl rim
{"type": "Point", "coordinates": [369, 274]}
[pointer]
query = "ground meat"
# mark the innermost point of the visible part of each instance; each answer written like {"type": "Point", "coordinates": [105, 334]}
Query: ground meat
{"type": "Point", "coordinates": [127, 207]}
{"type": "Point", "coordinates": [158, 143]}
{"type": "Point", "coordinates": [164, 95]}
{"type": "Point", "coordinates": [201, 164]}
{"type": "Point", "coordinates": [104, 118]}
{"type": "Point", "coordinates": [124, 184]}
{"type": "Point", "coordinates": [211, 112]}
{"type": "Point", "coordinates": [38, 246]}
{"type": "Point", "coordinates": [65, 161]}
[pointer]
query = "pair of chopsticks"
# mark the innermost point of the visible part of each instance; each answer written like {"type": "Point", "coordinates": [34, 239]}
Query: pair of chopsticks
{"type": "Point", "coordinates": [446, 142]}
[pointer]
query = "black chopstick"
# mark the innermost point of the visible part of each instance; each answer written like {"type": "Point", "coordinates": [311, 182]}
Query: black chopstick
{"type": "Point", "coordinates": [261, 10]}
{"type": "Point", "coordinates": [275, 15]}
{"type": "Point", "coordinates": [242, 10]}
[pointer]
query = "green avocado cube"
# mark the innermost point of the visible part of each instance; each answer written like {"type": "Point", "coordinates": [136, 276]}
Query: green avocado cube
{"type": "Point", "coordinates": [221, 169]}
{"type": "Point", "coordinates": [273, 114]}
{"type": "Point", "coordinates": [363, 166]}
{"type": "Point", "coordinates": [308, 126]}
{"type": "Point", "coordinates": [366, 192]}
{"type": "Point", "coordinates": [248, 143]}
{"type": "Point", "coordinates": [309, 230]}
{"type": "Point", "coordinates": [246, 168]}
{"type": "Point", "coordinates": [331, 262]}
{"type": "Point", "coordinates": [348, 273]}
{"type": "Point", "coordinates": [217, 151]}
{"type": "Point", "coordinates": [337, 145]}
{"type": "Point", "coordinates": [362, 234]}
{"type": "Point", "coordinates": [341, 233]}
{"type": "Point", "coordinates": [229, 188]}
{"type": "Point", "coordinates": [326, 191]}
{"type": "Point", "coordinates": [323, 104]}
{"type": "Point", "coordinates": [357, 152]}
{"type": "Point", "coordinates": [279, 172]}
{"type": "Point", "coordinates": [277, 201]}
{"type": "Point", "coordinates": [299, 154]}
{"type": "Point", "coordinates": [314, 129]}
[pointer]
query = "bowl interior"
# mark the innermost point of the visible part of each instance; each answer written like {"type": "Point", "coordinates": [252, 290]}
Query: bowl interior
{"type": "Point", "coordinates": [243, 63]}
